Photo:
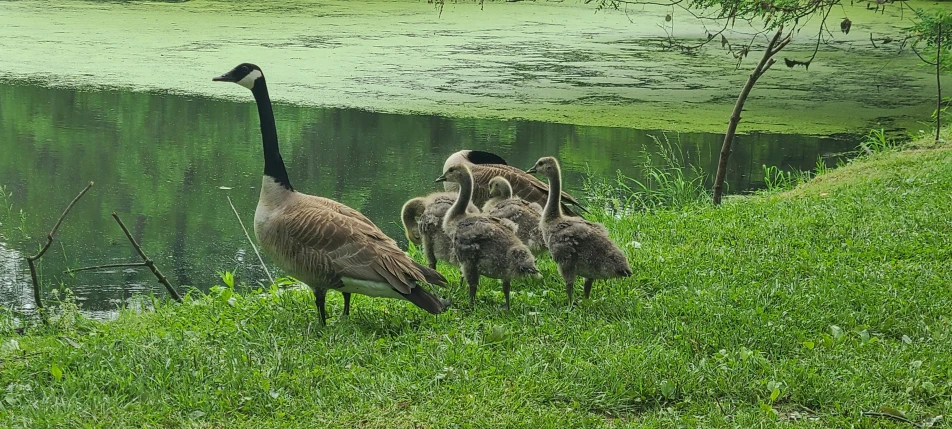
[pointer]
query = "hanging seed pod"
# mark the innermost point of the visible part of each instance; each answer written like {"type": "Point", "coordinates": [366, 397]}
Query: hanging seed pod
{"type": "Point", "coordinates": [845, 25]}
{"type": "Point", "coordinates": [667, 18]}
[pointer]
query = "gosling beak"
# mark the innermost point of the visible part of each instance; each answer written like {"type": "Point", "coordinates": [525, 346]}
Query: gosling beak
{"type": "Point", "coordinates": [442, 178]}
{"type": "Point", "coordinates": [531, 170]}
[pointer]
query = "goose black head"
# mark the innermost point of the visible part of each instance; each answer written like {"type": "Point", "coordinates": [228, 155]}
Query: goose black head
{"type": "Point", "coordinates": [245, 74]}
{"type": "Point", "coordinates": [472, 157]}
{"type": "Point", "coordinates": [545, 166]}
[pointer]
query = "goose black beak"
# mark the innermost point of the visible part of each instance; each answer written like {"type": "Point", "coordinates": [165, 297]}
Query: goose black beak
{"type": "Point", "coordinates": [531, 170]}
{"type": "Point", "coordinates": [227, 77]}
{"type": "Point", "coordinates": [442, 178]}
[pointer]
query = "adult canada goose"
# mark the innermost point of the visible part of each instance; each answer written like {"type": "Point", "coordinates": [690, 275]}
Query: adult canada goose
{"type": "Point", "coordinates": [423, 224]}
{"type": "Point", "coordinates": [322, 242]}
{"type": "Point", "coordinates": [484, 245]}
{"type": "Point", "coordinates": [578, 247]}
{"type": "Point", "coordinates": [486, 165]}
{"type": "Point", "coordinates": [524, 214]}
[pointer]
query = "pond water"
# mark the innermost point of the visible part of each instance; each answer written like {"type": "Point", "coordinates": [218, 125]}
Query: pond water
{"type": "Point", "coordinates": [165, 164]}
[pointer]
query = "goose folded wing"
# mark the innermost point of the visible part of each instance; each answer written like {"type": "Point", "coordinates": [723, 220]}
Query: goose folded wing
{"type": "Point", "coordinates": [351, 247]}
{"type": "Point", "coordinates": [524, 185]}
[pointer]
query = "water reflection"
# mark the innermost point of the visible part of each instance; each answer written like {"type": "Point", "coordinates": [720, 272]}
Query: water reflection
{"type": "Point", "coordinates": [166, 163]}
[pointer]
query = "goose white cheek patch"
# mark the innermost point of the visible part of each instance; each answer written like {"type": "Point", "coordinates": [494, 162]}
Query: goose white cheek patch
{"type": "Point", "coordinates": [249, 80]}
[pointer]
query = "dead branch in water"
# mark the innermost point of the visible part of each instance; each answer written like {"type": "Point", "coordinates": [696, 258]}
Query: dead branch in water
{"type": "Point", "coordinates": [96, 267]}
{"type": "Point", "coordinates": [31, 260]}
{"type": "Point", "coordinates": [148, 262]}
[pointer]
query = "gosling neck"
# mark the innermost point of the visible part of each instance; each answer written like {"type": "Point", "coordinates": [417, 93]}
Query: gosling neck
{"type": "Point", "coordinates": [553, 204]}
{"type": "Point", "coordinates": [273, 163]}
{"type": "Point", "coordinates": [465, 195]}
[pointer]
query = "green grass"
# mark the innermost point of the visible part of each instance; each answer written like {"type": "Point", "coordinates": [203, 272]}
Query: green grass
{"type": "Point", "coordinates": [816, 303]}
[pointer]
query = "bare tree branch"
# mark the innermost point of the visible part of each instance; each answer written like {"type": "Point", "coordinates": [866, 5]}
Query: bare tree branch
{"type": "Point", "coordinates": [31, 260]}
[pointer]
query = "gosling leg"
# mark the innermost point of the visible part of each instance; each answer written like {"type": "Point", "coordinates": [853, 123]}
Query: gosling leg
{"type": "Point", "coordinates": [472, 278]}
{"type": "Point", "coordinates": [568, 274]}
{"type": "Point", "coordinates": [505, 292]}
{"type": "Point", "coordinates": [588, 287]}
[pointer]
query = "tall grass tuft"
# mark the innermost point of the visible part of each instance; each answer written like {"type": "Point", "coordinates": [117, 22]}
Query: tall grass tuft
{"type": "Point", "coordinates": [668, 184]}
{"type": "Point", "coordinates": [876, 141]}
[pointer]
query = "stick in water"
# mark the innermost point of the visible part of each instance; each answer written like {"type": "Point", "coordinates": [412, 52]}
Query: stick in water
{"type": "Point", "coordinates": [271, 279]}
{"type": "Point", "coordinates": [148, 262]}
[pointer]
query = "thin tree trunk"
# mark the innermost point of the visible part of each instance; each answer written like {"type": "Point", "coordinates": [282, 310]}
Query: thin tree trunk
{"type": "Point", "coordinates": [776, 44]}
{"type": "Point", "coordinates": [938, 84]}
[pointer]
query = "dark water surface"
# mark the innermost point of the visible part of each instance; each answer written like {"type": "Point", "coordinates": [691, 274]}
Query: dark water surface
{"type": "Point", "coordinates": [166, 163]}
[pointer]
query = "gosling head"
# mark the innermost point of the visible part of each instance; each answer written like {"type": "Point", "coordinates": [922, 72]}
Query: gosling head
{"type": "Point", "coordinates": [245, 74]}
{"type": "Point", "coordinates": [545, 166]}
{"type": "Point", "coordinates": [499, 187]}
{"type": "Point", "coordinates": [456, 174]}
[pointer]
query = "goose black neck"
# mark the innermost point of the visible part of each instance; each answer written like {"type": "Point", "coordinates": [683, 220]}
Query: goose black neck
{"type": "Point", "coordinates": [465, 195]}
{"type": "Point", "coordinates": [553, 204]}
{"type": "Point", "coordinates": [273, 163]}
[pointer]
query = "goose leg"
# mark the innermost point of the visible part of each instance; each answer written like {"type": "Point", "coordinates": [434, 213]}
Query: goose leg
{"type": "Point", "coordinates": [505, 292]}
{"type": "Point", "coordinates": [319, 299]}
{"type": "Point", "coordinates": [588, 287]}
{"type": "Point", "coordinates": [472, 278]}
{"type": "Point", "coordinates": [346, 303]}
{"type": "Point", "coordinates": [568, 274]}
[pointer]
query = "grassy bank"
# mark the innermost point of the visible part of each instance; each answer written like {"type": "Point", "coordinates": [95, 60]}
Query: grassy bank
{"type": "Point", "coordinates": [810, 305]}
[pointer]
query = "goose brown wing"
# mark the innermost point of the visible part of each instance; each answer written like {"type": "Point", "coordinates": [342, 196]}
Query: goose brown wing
{"type": "Point", "coordinates": [340, 208]}
{"type": "Point", "coordinates": [524, 185]}
{"type": "Point", "coordinates": [339, 245]}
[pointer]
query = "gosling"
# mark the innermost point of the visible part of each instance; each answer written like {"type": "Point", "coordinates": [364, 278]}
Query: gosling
{"type": "Point", "coordinates": [484, 245]}
{"type": "Point", "coordinates": [579, 247]}
{"type": "Point", "coordinates": [524, 214]}
{"type": "Point", "coordinates": [423, 225]}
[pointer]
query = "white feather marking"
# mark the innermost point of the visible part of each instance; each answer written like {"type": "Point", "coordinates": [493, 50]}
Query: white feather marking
{"type": "Point", "coordinates": [249, 80]}
{"type": "Point", "coordinates": [369, 288]}
{"type": "Point", "coordinates": [457, 158]}
{"type": "Point", "coordinates": [270, 202]}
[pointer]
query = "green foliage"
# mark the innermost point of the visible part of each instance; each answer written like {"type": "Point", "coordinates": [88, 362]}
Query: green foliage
{"type": "Point", "coordinates": [777, 179]}
{"type": "Point", "coordinates": [930, 28]}
{"type": "Point", "coordinates": [668, 182]}
{"type": "Point", "coordinates": [876, 141]}
{"type": "Point", "coordinates": [774, 13]}
{"type": "Point", "coordinates": [821, 302]}
{"type": "Point", "coordinates": [9, 215]}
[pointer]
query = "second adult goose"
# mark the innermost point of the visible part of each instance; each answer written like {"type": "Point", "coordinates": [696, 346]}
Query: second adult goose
{"type": "Point", "coordinates": [484, 245]}
{"type": "Point", "coordinates": [578, 247]}
{"type": "Point", "coordinates": [322, 242]}
{"type": "Point", "coordinates": [485, 165]}
{"type": "Point", "coordinates": [423, 224]}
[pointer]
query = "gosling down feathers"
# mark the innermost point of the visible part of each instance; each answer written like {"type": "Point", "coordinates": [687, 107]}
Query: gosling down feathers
{"type": "Point", "coordinates": [485, 165]}
{"type": "Point", "coordinates": [524, 214]}
{"type": "Point", "coordinates": [321, 242]}
{"type": "Point", "coordinates": [578, 247]}
{"type": "Point", "coordinates": [484, 245]}
{"type": "Point", "coordinates": [423, 224]}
